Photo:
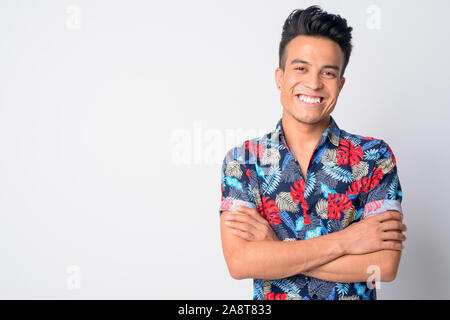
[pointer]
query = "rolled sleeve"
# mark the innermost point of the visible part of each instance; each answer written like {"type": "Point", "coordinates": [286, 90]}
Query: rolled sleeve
{"type": "Point", "coordinates": [385, 191]}
{"type": "Point", "coordinates": [236, 185]}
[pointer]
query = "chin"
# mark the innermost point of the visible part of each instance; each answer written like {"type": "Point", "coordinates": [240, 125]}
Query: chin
{"type": "Point", "coordinates": [309, 119]}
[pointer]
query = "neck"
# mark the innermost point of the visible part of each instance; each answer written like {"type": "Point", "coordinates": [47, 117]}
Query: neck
{"type": "Point", "coordinates": [301, 135]}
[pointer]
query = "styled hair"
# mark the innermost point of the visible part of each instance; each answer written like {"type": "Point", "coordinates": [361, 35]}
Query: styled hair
{"type": "Point", "coordinates": [313, 21]}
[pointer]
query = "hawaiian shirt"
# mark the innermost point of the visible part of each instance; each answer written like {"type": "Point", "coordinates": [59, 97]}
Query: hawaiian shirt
{"type": "Point", "coordinates": [348, 178]}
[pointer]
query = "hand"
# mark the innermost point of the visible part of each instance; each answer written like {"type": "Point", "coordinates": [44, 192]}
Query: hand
{"type": "Point", "coordinates": [374, 233]}
{"type": "Point", "coordinates": [248, 224]}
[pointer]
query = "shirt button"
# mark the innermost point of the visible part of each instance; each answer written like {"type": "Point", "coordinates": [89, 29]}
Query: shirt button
{"type": "Point", "coordinates": [314, 296]}
{"type": "Point", "coordinates": [308, 211]}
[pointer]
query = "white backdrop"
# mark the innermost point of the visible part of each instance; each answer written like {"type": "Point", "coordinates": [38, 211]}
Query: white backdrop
{"type": "Point", "coordinates": [115, 117]}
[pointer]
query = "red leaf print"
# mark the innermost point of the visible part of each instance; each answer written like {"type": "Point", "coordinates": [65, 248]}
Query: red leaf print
{"type": "Point", "coordinates": [271, 211]}
{"type": "Point", "coordinates": [355, 187]}
{"type": "Point", "coordinates": [260, 209]}
{"type": "Point", "coordinates": [255, 148]}
{"type": "Point", "coordinates": [337, 203]}
{"type": "Point", "coordinates": [343, 152]}
{"type": "Point", "coordinates": [356, 155]}
{"type": "Point", "coordinates": [280, 296]}
{"type": "Point", "coordinates": [298, 196]}
{"type": "Point", "coordinates": [372, 206]}
{"type": "Point", "coordinates": [226, 204]}
{"type": "Point", "coordinates": [377, 175]}
{"type": "Point", "coordinates": [365, 184]}
{"type": "Point", "coordinates": [359, 185]}
{"type": "Point", "coordinates": [348, 153]}
{"type": "Point", "coordinates": [274, 296]}
{"type": "Point", "coordinates": [248, 174]}
{"type": "Point", "coordinates": [298, 191]}
{"type": "Point", "coordinates": [304, 205]}
{"type": "Point", "coordinates": [269, 296]}
{"type": "Point", "coordinates": [274, 219]}
{"type": "Point", "coordinates": [306, 218]}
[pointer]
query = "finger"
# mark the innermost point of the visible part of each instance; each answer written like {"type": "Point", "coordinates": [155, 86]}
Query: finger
{"type": "Point", "coordinates": [393, 235]}
{"type": "Point", "coordinates": [389, 215]}
{"type": "Point", "coordinates": [251, 212]}
{"type": "Point", "coordinates": [242, 234]}
{"type": "Point", "coordinates": [392, 245]}
{"type": "Point", "coordinates": [239, 226]}
{"type": "Point", "coordinates": [393, 225]}
{"type": "Point", "coordinates": [254, 216]}
{"type": "Point", "coordinates": [242, 217]}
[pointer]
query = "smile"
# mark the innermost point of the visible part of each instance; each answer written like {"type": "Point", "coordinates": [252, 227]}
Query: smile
{"type": "Point", "coordinates": [309, 99]}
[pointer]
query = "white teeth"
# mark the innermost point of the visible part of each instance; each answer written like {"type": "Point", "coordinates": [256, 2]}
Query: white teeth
{"type": "Point", "coordinates": [309, 99]}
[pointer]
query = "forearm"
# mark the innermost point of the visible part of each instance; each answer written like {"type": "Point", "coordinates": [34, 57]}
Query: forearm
{"type": "Point", "coordinates": [281, 259]}
{"type": "Point", "coordinates": [354, 268]}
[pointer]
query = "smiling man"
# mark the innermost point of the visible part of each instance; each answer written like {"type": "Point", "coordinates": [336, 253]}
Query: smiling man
{"type": "Point", "coordinates": [309, 210]}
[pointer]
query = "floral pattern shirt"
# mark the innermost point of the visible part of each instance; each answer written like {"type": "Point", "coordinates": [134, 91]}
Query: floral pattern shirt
{"type": "Point", "coordinates": [348, 178]}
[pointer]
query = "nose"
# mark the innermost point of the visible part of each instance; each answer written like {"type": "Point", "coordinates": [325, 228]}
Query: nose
{"type": "Point", "coordinates": [313, 81]}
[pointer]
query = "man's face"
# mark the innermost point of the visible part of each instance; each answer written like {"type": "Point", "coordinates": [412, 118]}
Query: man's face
{"type": "Point", "coordinates": [311, 82]}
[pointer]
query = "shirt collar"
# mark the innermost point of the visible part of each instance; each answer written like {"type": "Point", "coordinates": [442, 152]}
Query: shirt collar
{"type": "Point", "coordinates": [332, 132]}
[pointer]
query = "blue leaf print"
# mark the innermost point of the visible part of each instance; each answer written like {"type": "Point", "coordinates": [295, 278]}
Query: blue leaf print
{"type": "Point", "coordinates": [337, 172]}
{"type": "Point", "coordinates": [355, 140]}
{"type": "Point", "coordinates": [320, 153]}
{"type": "Point", "coordinates": [237, 156]}
{"type": "Point", "coordinates": [234, 183]}
{"type": "Point", "coordinates": [370, 144]}
{"type": "Point", "coordinates": [392, 193]}
{"type": "Point", "coordinates": [250, 193]}
{"type": "Point", "coordinates": [286, 219]}
{"type": "Point", "coordinates": [361, 290]}
{"type": "Point", "coordinates": [281, 147]}
{"type": "Point", "coordinates": [286, 285]}
{"type": "Point", "coordinates": [358, 214]}
{"type": "Point", "coordinates": [371, 154]}
{"type": "Point", "coordinates": [342, 288]}
{"type": "Point", "coordinates": [272, 180]}
{"type": "Point", "coordinates": [260, 171]}
{"type": "Point", "coordinates": [331, 296]}
{"type": "Point", "coordinates": [288, 158]}
{"type": "Point", "coordinates": [271, 143]}
{"type": "Point", "coordinates": [313, 233]}
{"type": "Point", "coordinates": [324, 230]}
{"type": "Point", "coordinates": [258, 289]}
{"type": "Point", "coordinates": [299, 224]}
{"type": "Point", "coordinates": [326, 190]}
{"type": "Point", "coordinates": [310, 183]}
{"type": "Point", "coordinates": [337, 132]}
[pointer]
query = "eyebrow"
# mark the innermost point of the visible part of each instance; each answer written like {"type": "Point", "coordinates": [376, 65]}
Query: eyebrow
{"type": "Point", "coordinates": [309, 63]}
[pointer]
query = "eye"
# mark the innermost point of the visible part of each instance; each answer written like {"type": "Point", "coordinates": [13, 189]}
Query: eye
{"type": "Point", "coordinates": [328, 73]}
{"type": "Point", "coordinates": [300, 68]}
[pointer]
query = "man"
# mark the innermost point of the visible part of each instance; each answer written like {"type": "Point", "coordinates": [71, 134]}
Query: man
{"type": "Point", "coordinates": [310, 211]}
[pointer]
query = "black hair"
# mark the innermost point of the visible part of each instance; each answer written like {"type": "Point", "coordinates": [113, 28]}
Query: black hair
{"type": "Point", "coordinates": [313, 21]}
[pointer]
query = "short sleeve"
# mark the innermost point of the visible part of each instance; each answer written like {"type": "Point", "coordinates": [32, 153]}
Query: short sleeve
{"type": "Point", "coordinates": [236, 183]}
{"type": "Point", "coordinates": [385, 191]}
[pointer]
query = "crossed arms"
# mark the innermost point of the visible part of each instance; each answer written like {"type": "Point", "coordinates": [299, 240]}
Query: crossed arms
{"type": "Point", "coordinates": [252, 250]}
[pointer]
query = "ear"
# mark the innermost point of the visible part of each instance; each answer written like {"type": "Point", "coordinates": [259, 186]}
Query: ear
{"type": "Point", "coordinates": [279, 74]}
{"type": "Point", "coordinates": [341, 84]}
